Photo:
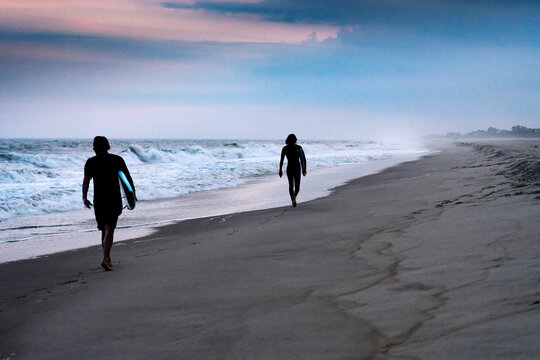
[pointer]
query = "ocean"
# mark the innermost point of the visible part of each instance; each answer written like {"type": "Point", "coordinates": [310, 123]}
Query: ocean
{"type": "Point", "coordinates": [41, 210]}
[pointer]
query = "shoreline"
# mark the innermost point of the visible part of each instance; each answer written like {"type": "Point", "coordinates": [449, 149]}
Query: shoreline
{"type": "Point", "coordinates": [150, 215]}
{"type": "Point", "coordinates": [437, 255]}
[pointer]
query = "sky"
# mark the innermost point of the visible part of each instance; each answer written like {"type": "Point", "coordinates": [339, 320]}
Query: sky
{"type": "Point", "coordinates": [261, 69]}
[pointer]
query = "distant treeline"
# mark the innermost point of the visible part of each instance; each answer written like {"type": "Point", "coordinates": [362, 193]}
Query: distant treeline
{"type": "Point", "coordinates": [517, 131]}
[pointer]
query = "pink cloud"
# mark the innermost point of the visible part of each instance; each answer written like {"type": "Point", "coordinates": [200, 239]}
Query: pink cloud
{"type": "Point", "coordinates": [147, 19]}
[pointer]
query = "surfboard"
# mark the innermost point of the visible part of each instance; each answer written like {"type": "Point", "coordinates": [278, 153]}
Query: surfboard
{"type": "Point", "coordinates": [128, 195]}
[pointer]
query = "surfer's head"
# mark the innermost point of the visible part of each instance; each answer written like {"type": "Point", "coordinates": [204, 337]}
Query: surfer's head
{"type": "Point", "coordinates": [101, 144]}
{"type": "Point", "coordinates": [291, 139]}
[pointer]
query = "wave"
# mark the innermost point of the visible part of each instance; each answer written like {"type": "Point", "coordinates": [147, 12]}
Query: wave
{"type": "Point", "coordinates": [43, 161]}
{"type": "Point", "coordinates": [197, 153]}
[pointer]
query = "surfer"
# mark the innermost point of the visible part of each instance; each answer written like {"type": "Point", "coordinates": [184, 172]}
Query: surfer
{"type": "Point", "coordinates": [296, 162]}
{"type": "Point", "coordinates": [103, 169]}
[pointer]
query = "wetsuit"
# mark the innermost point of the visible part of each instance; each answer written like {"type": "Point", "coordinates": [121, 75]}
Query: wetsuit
{"type": "Point", "coordinates": [104, 169]}
{"type": "Point", "coordinates": [296, 163]}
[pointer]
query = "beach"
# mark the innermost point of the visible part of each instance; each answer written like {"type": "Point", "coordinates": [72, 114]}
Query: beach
{"type": "Point", "coordinates": [431, 259]}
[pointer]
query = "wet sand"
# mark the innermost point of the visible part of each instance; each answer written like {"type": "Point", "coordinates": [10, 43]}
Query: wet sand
{"type": "Point", "coordinates": [435, 258]}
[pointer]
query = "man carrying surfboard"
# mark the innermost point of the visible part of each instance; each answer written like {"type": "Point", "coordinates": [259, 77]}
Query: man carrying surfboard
{"type": "Point", "coordinates": [103, 169]}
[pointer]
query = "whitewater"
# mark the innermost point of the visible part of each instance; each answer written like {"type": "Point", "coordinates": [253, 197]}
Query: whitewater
{"type": "Point", "coordinates": [41, 211]}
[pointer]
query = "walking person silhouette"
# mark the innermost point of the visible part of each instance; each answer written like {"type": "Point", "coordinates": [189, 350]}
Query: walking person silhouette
{"type": "Point", "coordinates": [296, 163]}
{"type": "Point", "coordinates": [103, 169]}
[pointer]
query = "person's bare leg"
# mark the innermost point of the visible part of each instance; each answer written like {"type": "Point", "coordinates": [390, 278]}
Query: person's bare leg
{"type": "Point", "coordinates": [107, 246]}
{"type": "Point", "coordinates": [106, 263]}
{"type": "Point", "coordinates": [296, 180]}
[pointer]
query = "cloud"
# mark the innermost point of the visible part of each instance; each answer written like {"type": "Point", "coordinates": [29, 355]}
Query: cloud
{"type": "Point", "coordinates": [475, 20]}
{"type": "Point", "coordinates": [354, 12]}
{"type": "Point", "coordinates": [118, 47]}
{"type": "Point", "coordinates": [147, 19]}
{"type": "Point", "coordinates": [342, 13]}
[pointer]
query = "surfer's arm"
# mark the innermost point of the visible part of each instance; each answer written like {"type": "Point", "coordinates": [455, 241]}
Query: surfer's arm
{"type": "Point", "coordinates": [281, 162]}
{"type": "Point", "coordinates": [85, 186]}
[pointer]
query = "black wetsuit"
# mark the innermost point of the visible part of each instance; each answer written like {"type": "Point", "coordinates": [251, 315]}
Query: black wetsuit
{"type": "Point", "coordinates": [296, 163]}
{"type": "Point", "coordinates": [104, 169]}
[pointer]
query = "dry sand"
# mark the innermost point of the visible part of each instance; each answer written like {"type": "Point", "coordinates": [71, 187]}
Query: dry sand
{"type": "Point", "coordinates": [432, 259]}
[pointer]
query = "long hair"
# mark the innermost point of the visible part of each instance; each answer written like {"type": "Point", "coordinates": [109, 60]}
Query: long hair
{"type": "Point", "coordinates": [291, 139]}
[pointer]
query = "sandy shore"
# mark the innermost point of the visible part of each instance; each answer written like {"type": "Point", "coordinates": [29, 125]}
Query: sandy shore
{"type": "Point", "coordinates": [432, 259]}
